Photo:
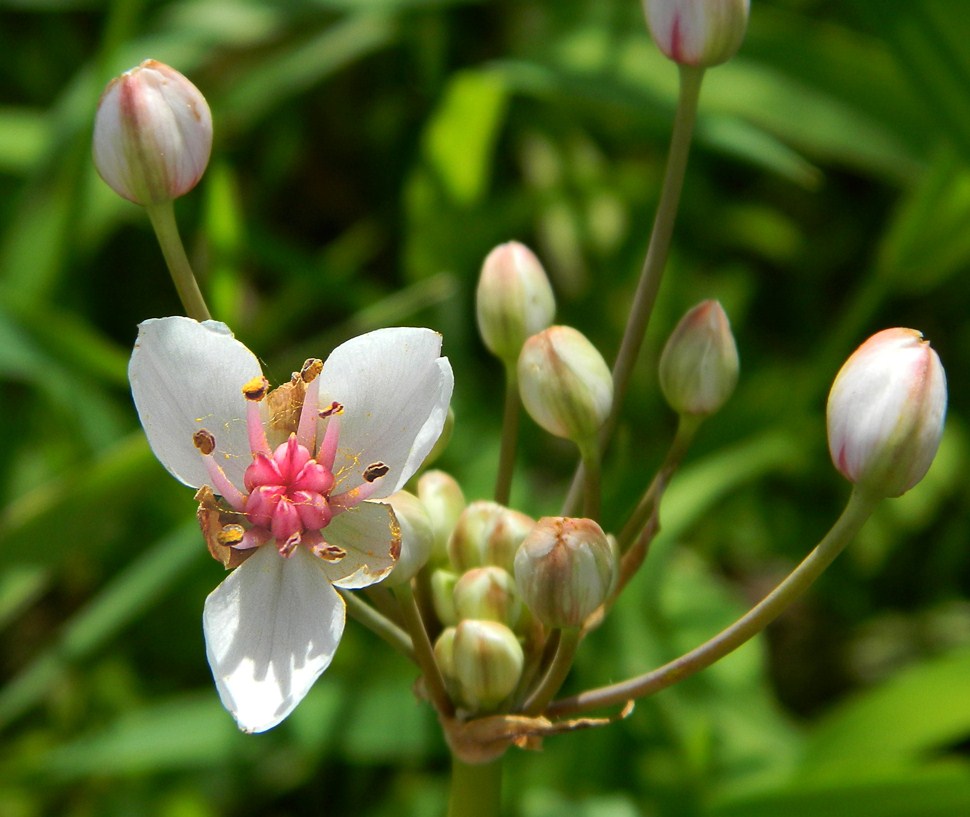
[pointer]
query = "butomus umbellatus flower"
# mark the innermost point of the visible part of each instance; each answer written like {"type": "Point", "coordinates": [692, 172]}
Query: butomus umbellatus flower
{"type": "Point", "coordinates": [287, 480]}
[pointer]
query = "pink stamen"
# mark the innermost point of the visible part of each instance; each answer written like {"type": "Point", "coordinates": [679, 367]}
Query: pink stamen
{"type": "Point", "coordinates": [306, 432]}
{"type": "Point", "coordinates": [327, 454]}
{"type": "Point", "coordinates": [258, 443]}
{"type": "Point", "coordinates": [353, 497]}
{"type": "Point", "coordinates": [222, 486]}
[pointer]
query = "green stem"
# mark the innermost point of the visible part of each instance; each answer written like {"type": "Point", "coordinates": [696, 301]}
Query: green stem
{"type": "Point", "coordinates": [476, 789]}
{"type": "Point", "coordinates": [423, 651]}
{"type": "Point", "coordinates": [592, 479]}
{"type": "Point", "coordinates": [162, 217]}
{"type": "Point", "coordinates": [854, 516]}
{"type": "Point", "coordinates": [510, 434]}
{"type": "Point", "coordinates": [686, 430]}
{"type": "Point", "coordinates": [386, 629]}
{"type": "Point", "coordinates": [556, 674]}
{"type": "Point", "coordinates": [656, 258]}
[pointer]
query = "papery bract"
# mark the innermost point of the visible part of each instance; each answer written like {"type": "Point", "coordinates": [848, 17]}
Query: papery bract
{"type": "Point", "coordinates": [885, 412]}
{"type": "Point", "coordinates": [152, 134]}
{"type": "Point", "coordinates": [293, 468]}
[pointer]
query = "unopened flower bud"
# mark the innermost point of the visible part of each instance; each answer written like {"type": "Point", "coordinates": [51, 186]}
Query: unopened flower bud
{"type": "Point", "coordinates": [444, 501]}
{"type": "Point", "coordinates": [444, 653]}
{"type": "Point", "coordinates": [487, 534]}
{"type": "Point", "coordinates": [699, 364]}
{"type": "Point", "coordinates": [416, 537]}
{"type": "Point", "coordinates": [443, 596]}
{"type": "Point", "coordinates": [488, 593]}
{"type": "Point", "coordinates": [565, 569]}
{"type": "Point", "coordinates": [565, 384]}
{"type": "Point", "coordinates": [885, 412]}
{"type": "Point", "coordinates": [488, 661]}
{"type": "Point", "coordinates": [514, 300]}
{"type": "Point", "coordinates": [697, 32]}
{"type": "Point", "coordinates": [152, 134]}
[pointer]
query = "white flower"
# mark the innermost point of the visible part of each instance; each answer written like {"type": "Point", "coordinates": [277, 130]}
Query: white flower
{"type": "Point", "coordinates": [293, 467]}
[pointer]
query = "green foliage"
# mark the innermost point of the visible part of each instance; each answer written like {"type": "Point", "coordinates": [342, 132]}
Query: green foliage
{"type": "Point", "coordinates": [367, 157]}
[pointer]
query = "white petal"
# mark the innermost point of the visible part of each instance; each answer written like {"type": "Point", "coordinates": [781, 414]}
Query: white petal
{"type": "Point", "coordinates": [187, 375]}
{"type": "Point", "coordinates": [271, 629]}
{"type": "Point", "coordinates": [395, 390]}
{"type": "Point", "coordinates": [371, 537]}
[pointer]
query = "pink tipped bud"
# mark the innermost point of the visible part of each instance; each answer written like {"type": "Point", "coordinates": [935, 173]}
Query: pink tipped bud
{"type": "Point", "coordinates": [697, 32]}
{"type": "Point", "coordinates": [699, 364]}
{"type": "Point", "coordinates": [565, 384]}
{"type": "Point", "coordinates": [565, 569]}
{"type": "Point", "coordinates": [514, 300]}
{"type": "Point", "coordinates": [152, 134]}
{"type": "Point", "coordinates": [885, 412]}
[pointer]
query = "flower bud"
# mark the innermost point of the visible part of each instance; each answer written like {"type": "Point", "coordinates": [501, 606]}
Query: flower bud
{"type": "Point", "coordinates": [488, 593]}
{"type": "Point", "coordinates": [697, 32]}
{"type": "Point", "coordinates": [514, 300]}
{"type": "Point", "coordinates": [565, 384]}
{"type": "Point", "coordinates": [699, 364]}
{"type": "Point", "coordinates": [565, 569]}
{"type": "Point", "coordinates": [444, 654]}
{"type": "Point", "coordinates": [885, 412]}
{"type": "Point", "coordinates": [442, 498]}
{"type": "Point", "coordinates": [443, 596]}
{"type": "Point", "coordinates": [488, 662]}
{"type": "Point", "coordinates": [152, 134]}
{"type": "Point", "coordinates": [416, 537]}
{"type": "Point", "coordinates": [487, 534]}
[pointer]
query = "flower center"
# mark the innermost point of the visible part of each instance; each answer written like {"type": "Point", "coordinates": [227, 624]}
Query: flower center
{"type": "Point", "coordinates": [289, 497]}
{"type": "Point", "coordinates": [288, 491]}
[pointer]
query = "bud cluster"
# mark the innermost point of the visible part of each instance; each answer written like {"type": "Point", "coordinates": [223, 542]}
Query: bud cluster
{"type": "Point", "coordinates": [499, 584]}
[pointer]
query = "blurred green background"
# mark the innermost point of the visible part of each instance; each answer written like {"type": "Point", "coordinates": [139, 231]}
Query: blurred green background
{"type": "Point", "coordinates": [368, 154]}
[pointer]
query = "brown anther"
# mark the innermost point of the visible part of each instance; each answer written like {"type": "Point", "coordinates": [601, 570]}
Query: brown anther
{"type": "Point", "coordinates": [330, 553]}
{"type": "Point", "coordinates": [230, 535]}
{"type": "Point", "coordinates": [204, 441]}
{"type": "Point", "coordinates": [375, 471]}
{"type": "Point", "coordinates": [311, 369]}
{"type": "Point", "coordinates": [256, 389]}
{"type": "Point", "coordinates": [331, 410]}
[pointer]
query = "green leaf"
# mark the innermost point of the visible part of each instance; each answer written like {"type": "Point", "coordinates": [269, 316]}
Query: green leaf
{"type": "Point", "coordinates": [461, 135]}
{"type": "Point", "coordinates": [919, 712]}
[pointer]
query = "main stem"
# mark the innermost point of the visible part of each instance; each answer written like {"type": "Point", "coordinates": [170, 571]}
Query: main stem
{"type": "Point", "coordinates": [162, 217]}
{"type": "Point", "coordinates": [656, 258]}
{"type": "Point", "coordinates": [476, 789]}
{"type": "Point", "coordinates": [858, 509]}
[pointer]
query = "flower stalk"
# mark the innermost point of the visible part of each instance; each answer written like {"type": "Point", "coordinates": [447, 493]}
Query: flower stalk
{"type": "Point", "coordinates": [858, 509]}
{"type": "Point", "coordinates": [162, 217]}
{"type": "Point", "coordinates": [423, 650]}
{"type": "Point", "coordinates": [655, 260]}
{"type": "Point", "coordinates": [510, 434]}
